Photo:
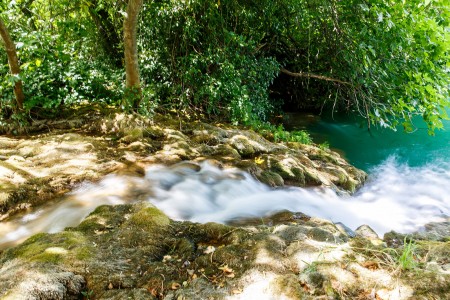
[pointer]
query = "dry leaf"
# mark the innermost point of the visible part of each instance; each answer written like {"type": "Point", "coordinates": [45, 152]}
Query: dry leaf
{"type": "Point", "coordinates": [175, 286]}
{"type": "Point", "coordinates": [226, 269]}
{"type": "Point", "coordinates": [236, 291]}
{"type": "Point", "coordinates": [190, 272]}
{"type": "Point", "coordinates": [209, 249]}
{"type": "Point", "coordinates": [110, 286]}
{"type": "Point", "coordinates": [371, 265]}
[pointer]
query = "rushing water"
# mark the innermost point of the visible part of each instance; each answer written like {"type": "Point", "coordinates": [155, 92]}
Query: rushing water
{"type": "Point", "coordinates": [407, 187]}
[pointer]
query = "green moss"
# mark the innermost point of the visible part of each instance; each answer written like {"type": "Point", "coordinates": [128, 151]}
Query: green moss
{"type": "Point", "coordinates": [149, 218]}
{"type": "Point", "coordinates": [299, 175]}
{"type": "Point", "coordinates": [349, 185]}
{"type": "Point", "coordinates": [289, 286]}
{"type": "Point", "coordinates": [54, 248]}
{"type": "Point", "coordinates": [83, 253]}
{"type": "Point", "coordinates": [104, 218]}
{"type": "Point", "coordinates": [311, 179]}
{"type": "Point", "coordinates": [133, 135]}
{"type": "Point", "coordinates": [271, 178]}
{"type": "Point", "coordinates": [243, 146]}
{"type": "Point", "coordinates": [47, 258]}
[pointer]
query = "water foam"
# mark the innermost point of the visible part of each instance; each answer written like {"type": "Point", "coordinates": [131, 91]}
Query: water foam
{"type": "Point", "coordinates": [397, 197]}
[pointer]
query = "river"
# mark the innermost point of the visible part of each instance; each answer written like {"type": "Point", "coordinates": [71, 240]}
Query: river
{"type": "Point", "coordinates": [409, 176]}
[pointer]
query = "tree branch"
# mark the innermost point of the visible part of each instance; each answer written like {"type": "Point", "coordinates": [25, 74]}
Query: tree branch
{"type": "Point", "coordinates": [310, 75]}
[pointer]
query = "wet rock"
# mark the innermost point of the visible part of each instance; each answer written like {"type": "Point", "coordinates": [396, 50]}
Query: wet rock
{"type": "Point", "coordinates": [366, 232]}
{"type": "Point", "coordinates": [436, 231]}
{"type": "Point", "coordinates": [136, 251]}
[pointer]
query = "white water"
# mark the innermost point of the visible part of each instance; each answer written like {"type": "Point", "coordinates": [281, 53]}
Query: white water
{"type": "Point", "coordinates": [396, 197]}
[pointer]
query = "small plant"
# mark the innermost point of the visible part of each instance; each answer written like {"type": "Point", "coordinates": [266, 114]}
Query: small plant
{"type": "Point", "coordinates": [87, 294]}
{"type": "Point", "coordinates": [324, 146]}
{"type": "Point", "coordinates": [406, 260]}
{"type": "Point", "coordinates": [282, 135]}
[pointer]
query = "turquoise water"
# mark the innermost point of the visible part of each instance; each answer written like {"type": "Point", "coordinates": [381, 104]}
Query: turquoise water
{"type": "Point", "coordinates": [368, 149]}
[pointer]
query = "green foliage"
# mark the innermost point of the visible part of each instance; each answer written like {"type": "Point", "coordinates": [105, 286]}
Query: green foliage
{"type": "Point", "coordinates": [213, 64]}
{"type": "Point", "coordinates": [58, 64]}
{"type": "Point", "coordinates": [324, 146]}
{"type": "Point", "coordinates": [387, 60]}
{"type": "Point", "coordinates": [281, 135]}
{"type": "Point", "coordinates": [397, 55]}
{"type": "Point", "coordinates": [407, 260]}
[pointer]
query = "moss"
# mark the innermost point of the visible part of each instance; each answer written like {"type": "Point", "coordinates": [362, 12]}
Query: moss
{"type": "Point", "coordinates": [349, 185]}
{"type": "Point", "coordinates": [153, 132]}
{"type": "Point", "coordinates": [311, 179]}
{"type": "Point", "coordinates": [149, 218]}
{"type": "Point", "coordinates": [271, 178]}
{"type": "Point", "coordinates": [288, 286]}
{"type": "Point", "coordinates": [322, 155]}
{"type": "Point", "coordinates": [48, 257]}
{"type": "Point", "coordinates": [289, 170]}
{"type": "Point", "coordinates": [53, 248]}
{"type": "Point", "coordinates": [299, 175]}
{"type": "Point", "coordinates": [243, 146]}
{"type": "Point", "coordinates": [216, 234]}
{"type": "Point", "coordinates": [104, 218]}
{"type": "Point", "coordinates": [132, 135]}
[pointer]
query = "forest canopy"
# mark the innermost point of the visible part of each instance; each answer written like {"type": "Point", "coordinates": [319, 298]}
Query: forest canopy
{"type": "Point", "coordinates": [243, 61]}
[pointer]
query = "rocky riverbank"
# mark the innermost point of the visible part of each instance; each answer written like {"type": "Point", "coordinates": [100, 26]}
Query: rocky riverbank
{"type": "Point", "coordinates": [58, 155]}
{"type": "Point", "coordinates": [134, 251]}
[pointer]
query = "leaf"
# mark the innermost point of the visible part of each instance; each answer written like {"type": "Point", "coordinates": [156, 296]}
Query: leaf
{"type": "Point", "coordinates": [259, 160]}
{"type": "Point", "coordinates": [209, 250]}
{"type": "Point", "coordinates": [175, 286]}
{"type": "Point", "coordinates": [226, 269]}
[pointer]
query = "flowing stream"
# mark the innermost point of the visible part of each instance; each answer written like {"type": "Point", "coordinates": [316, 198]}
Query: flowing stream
{"type": "Point", "coordinates": [408, 187]}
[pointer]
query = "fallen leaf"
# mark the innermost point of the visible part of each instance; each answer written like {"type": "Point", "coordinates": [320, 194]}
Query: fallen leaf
{"type": "Point", "coordinates": [226, 269]}
{"type": "Point", "coordinates": [190, 272]}
{"type": "Point", "coordinates": [371, 265]}
{"type": "Point", "coordinates": [175, 286]}
{"type": "Point", "coordinates": [209, 249]}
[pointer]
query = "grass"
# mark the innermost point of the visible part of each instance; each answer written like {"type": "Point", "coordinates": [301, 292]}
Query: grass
{"type": "Point", "coordinates": [406, 260]}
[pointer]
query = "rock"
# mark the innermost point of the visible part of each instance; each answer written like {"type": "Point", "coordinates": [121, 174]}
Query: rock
{"type": "Point", "coordinates": [366, 232]}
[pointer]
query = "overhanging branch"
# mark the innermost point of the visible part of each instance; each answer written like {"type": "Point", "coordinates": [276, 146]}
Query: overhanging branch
{"type": "Point", "coordinates": [310, 75]}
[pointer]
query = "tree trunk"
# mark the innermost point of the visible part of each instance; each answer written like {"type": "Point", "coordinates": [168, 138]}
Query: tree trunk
{"type": "Point", "coordinates": [109, 38]}
{"type": "Point", "coordinates": [26, 10]}
{"type": "Point", "coordinates": [133, 83]}
{"type": "Point", "coordinates": [14, 66]}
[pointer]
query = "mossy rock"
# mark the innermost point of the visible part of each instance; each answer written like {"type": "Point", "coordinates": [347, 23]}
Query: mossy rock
{"type": "Point", "coordinates": [290, 170]}
{"type": "Point", "coordinates": [271, 178]}
{"type": "Point", "coordinates": [288, 286]}
{"type": "Point", "coordinates": [148, 218]}
{"type": "Point", "coordinates": [58, 248]}
{"type": "Point", "coordinates": [104, 218]}
{"type": "Point", "coordinates": [243, 146]}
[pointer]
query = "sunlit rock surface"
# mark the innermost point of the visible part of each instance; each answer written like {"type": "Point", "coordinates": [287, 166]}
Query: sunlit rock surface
{"type": "Point", "coordinates": [136, 251]}
{"type": "Point", "coordinates": [133, 250]}
{"type": "Point", "coordinates": [37, 168]}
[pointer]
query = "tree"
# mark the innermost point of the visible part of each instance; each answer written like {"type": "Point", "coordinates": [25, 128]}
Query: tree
{"type": "Point", "coordinates": [109, 36]}
{"type": "Point", "coordinates": [14, 66]}
{"type": "Point", "coordinates": [133, 83]}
